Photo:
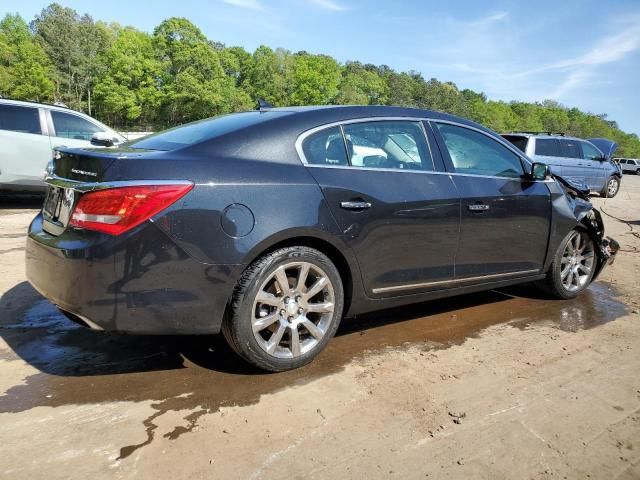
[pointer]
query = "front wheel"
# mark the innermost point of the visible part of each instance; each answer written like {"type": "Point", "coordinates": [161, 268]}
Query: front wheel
{"type": "Point", "coordinates": [573, 266]}
{"type": "Point", "coordinates": [286, 308]}
{"type": "Point", "coordinates": [611, 188]}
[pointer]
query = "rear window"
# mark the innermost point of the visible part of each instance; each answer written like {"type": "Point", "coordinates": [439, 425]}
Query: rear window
{"type": "Point", "coordinates": [20, 119]}
{"type": "Point", "coordinates": [518, 141]}
{"type": "Point", "coordinates": [203, 130]}
{"type": "Point", "coordinates": [548, 147]}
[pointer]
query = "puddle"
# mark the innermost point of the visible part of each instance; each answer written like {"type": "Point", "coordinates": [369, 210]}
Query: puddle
{"type": "Point", "coordinates": [200, 374]}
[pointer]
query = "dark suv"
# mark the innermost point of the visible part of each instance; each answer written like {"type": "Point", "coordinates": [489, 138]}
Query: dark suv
{"type": "Point", "coordinates": [582, 161]}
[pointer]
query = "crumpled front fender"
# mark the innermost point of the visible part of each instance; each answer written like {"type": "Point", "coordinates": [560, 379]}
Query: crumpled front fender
{"type": "Point", "coordinates": [606, 247]}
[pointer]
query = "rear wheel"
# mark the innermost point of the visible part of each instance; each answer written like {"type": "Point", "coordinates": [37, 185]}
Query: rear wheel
{"type": "Point", "coordinates": [573, 265]}
{"type": "Point", "coordinates": [286, 308]}
{"type": "Point", "coordinates": [611, 188]}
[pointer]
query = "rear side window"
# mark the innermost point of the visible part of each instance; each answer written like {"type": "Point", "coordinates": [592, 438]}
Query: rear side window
{"type": "Point", "coordinates": [548, 147]}
{"type": "Point", "coordinates": [325, 147]}
{"type": "Point", "coordinates": [476, 153]}
{"type": "Point", "coordinates": [20, 119]}
{"type": "Point", "coordinates": [73, 126]}
{"type": "Point", "coordinates": [387, 144]}
{"type": "Point", "coordinates": [590, 152]}
{"type": "Point", "coordinates": [571, 149]}
{"type": "Point", "coordinates": [519, 142]}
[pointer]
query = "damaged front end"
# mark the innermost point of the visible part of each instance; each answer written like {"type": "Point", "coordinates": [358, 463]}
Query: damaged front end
{"type": "Point", "coordinates": [575, 200]}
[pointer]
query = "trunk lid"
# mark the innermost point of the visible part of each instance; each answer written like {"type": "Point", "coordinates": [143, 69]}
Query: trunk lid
{"type": "Point", "coordinates": [88, 164]}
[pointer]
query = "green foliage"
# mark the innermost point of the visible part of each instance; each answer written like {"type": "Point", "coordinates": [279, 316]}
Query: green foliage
{"type": "Point", "coordinates": [131, 79]}
{"type": "Point", "coordinates": [24, 67]}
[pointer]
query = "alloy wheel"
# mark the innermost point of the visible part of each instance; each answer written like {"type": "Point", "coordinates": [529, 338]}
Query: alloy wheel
{"type": "Point", "coordinates": [612, 187]}
{"type": "Point", "coordinates": [293, 310]}
{"type": "Point", "coordinates": [576, 264]}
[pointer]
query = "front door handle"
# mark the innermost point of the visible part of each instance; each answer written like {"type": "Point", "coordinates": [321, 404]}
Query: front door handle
{"type": "Point", "coordinates": [478, 207]}
{"type": "Point", "coordinates": [355, 205]}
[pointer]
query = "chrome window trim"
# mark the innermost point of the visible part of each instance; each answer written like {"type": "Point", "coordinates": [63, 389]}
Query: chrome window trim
{"type": "Point", "coordinates": [303, 136]}
{"type": "Point", "coordinates": [415, 286]}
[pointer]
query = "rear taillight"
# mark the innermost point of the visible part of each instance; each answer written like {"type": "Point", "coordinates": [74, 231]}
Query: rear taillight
{"type": "Point", "coordinates": [116, 210]}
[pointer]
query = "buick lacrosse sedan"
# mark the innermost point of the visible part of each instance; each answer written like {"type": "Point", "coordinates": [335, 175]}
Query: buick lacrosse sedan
{"type": "Point", "coordinates": [270, 226]}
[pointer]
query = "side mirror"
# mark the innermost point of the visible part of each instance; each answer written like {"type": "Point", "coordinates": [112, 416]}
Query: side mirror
{"type": "Point", "coordinates": [104, 139]}
{"type": "Point", "coordinates": [540, 171]}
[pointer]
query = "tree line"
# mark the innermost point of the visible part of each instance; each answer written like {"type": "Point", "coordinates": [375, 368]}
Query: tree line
{"type": "Point", "coordinates": [131, 79]}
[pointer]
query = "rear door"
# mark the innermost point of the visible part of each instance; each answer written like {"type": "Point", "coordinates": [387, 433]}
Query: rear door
{"type": "Point", "coordinates": [25, 145]}
{"type": "Point", "coordinates": [504, 217]}
{"type": "Point", "coordinates": [399, 216]}
{"type": "Point", "coordinates": [573, 166]}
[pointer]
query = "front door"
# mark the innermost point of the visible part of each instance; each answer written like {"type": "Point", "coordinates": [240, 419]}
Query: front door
{"type": "Point", "coordinates": [504, 216]}
{"type": "Point", "coordinates": [399, 217]}
{"type": "Point", "coordinates": [594, 167]}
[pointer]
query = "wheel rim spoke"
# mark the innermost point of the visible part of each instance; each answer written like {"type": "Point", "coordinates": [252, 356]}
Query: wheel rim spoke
{"type": "Point", "coordinates": [295, 341]}
{"type": "Point", "coordinates": [267, 298]}
{"type": "Point", "coordinates": [320, 307]}
{"type": "Point", "coordinates": [316, 287]}
{"type": "Point", "coordinates": [275, 339]}
{"type": "Point", "coordinates": [312, 328]}
{"type": "Point", "coordinates": [283, 281]}
{"type": "Point", "coordinates": [302, 277]}
{"type": "Point", "coordinates": [260, 324]}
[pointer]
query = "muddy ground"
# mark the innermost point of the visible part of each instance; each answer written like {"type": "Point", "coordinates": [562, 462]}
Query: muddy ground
{"type": "Point", "coordinates": [503, 384]}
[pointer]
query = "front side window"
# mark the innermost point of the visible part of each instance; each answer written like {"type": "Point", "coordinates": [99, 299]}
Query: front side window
{"type": "Point", "coordinates": [387, 144]}
{"type": "Point", "coordinates": [476, 153]}
{"type": "Point", "coordinates": [325, 147]}
{"type": "Point", "coordinates": [590, 152]}
{"type": "Point", "coordinates": [570, 149]}
{"type": "Point", "coordinates": [20, 119]}
{"type": "Point", "coordinates": [73, 126]}
{"type": "Point", "coordinates": [547, 147]}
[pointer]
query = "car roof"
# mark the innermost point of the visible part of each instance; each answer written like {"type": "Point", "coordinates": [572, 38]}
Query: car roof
{"type": "Point", "coordinates": [545, 135]}
{"type": "Point", "coordinates": [28, 103]}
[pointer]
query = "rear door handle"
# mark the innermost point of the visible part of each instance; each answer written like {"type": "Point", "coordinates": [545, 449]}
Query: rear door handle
{"type": "Point", "coordinates": [478, 207]}
{"type": "Point", "coordinates": [355, 205]}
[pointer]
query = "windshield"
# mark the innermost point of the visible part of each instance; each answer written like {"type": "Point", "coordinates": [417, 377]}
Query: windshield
{"type": "Point", "coordinates": [202, 130]}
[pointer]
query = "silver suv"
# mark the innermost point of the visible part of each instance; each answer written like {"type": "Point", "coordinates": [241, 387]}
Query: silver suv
{"type": "Point", "coordinates": [577, 160]}
{"type": "Point", "coordinates": [30, 131]}
{"type": "Point", "coordinates": [629, 165]}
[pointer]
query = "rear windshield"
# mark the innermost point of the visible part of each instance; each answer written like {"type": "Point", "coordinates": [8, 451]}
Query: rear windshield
{"type": "Point", "coordinates": [202, 130]}
{"type": "Point", "coordinates": [518, 141]}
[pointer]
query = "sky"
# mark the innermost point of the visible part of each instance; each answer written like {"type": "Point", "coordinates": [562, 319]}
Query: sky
{"type": "Point", "coordinates": [584, 54]}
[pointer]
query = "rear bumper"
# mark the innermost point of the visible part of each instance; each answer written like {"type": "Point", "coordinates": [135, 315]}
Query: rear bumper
{"type": "Point", "coordinates": [140, 282]}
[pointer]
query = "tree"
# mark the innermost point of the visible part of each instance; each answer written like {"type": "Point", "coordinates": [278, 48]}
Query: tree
{"type": "Point", "coordinates": [25, 71]}
{"type": "Point", "coordinates": [361, 86]}
{"type": "Point", "coordinates": [267, 76]}
{"type": "Point", "coordinates": [314, 79]}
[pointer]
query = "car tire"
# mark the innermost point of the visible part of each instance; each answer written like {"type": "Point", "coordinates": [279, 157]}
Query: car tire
{"type": "Point", "coordinates": [278, 327]}
{"type": "Point", "coordinates": [573, 266]}
{"type": "Point", "coordinates": [611, 188]}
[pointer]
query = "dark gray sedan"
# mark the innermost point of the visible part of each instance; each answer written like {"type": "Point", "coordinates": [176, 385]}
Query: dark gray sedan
{"type": "Point", "coordinates": [272, 225]}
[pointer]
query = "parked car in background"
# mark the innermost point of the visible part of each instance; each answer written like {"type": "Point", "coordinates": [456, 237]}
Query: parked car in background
{"type": "Point", "coordinates": [30, 131]}
{"type": "Point", "coordinates": [269, 226]}
{"type": "Point", "coordinates": [577, 160]}
{"type": "Point", "coordinates": [629, 165]}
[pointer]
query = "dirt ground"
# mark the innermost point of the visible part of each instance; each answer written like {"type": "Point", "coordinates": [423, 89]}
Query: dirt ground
{"type": "Point", "coordinates": [499, 385]}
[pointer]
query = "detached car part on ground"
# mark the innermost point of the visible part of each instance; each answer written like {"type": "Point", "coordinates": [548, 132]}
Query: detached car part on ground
{"type": "Point", "coordinates": [259, 225]}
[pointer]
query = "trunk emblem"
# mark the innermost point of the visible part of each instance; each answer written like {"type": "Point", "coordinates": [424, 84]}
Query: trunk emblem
{"type": "Point", "coordinates": [84, 172]}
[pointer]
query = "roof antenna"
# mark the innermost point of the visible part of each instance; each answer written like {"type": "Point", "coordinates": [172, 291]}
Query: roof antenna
{"type": "Point", "coordinates": [263, 104]}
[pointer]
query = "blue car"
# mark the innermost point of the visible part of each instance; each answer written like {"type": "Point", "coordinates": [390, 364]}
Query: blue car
{"type": "Point", "coordinates": [580, 161]}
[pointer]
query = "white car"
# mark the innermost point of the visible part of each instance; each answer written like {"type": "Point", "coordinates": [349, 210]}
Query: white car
{"type": "Point", "coordinates": [630, 165]}
{"type": "Point", "coordinates": [30, 131]}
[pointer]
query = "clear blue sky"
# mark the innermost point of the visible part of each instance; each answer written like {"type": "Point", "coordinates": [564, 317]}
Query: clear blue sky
{"type": "Point", "coordinates": [583, 53]}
